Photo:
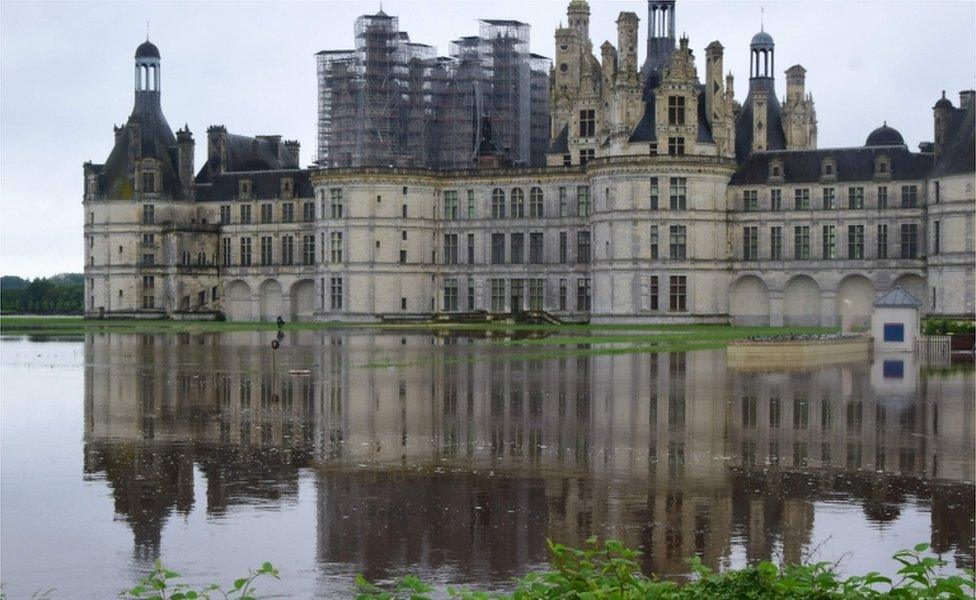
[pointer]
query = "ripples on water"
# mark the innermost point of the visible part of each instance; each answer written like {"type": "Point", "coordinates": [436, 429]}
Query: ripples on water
{"type": "Point", "coordinates": [460, 461]}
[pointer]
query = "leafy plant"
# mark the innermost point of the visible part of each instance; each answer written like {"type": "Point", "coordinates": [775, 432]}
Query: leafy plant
{"type": "Point", "coordinates": [947, 327]}
{"type": "Point", "coordinates": [160, 584]}
{"type": "Point", "coordinates": [407, 588]}
{"type": "Point", "coordinates": [610, 572]}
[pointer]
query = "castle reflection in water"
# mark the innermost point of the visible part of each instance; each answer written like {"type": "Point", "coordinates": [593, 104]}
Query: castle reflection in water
{"type": "Point", "coordinates": [474, 453]}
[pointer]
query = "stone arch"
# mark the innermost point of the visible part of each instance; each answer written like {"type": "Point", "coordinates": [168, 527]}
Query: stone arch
{"type": "Point", "coordinates": [303, 300]}
{"type": "Point", "coordinates": [855, 298]}
{"type": "Point", "coordinates": [749, 301]}
{"type": "Point", "coordinates": [801, 301]}
{"type": "Point", "coordinates": [269, 300]}
{"type": "Point", "coordinates": [916, 286]}
{"type": "Point", "coordinates": [237, 301]}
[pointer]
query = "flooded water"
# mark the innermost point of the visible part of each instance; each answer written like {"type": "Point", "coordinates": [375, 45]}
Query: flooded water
{"type": "Point", "coordinates": [456, 458]}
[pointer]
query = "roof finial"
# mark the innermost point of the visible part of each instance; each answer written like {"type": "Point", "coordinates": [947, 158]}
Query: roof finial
{"type": "Point", "coordinates": [762, 17]}
{"type": "Point", "coordinates": [147, 31]}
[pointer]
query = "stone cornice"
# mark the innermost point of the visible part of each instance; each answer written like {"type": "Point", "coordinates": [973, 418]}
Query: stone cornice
{"type": "Point", "coordinates": [611, 164]}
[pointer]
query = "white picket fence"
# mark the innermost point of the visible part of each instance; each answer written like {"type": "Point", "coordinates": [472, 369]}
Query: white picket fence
{"type": "Point", "coordinates": [933, 349]}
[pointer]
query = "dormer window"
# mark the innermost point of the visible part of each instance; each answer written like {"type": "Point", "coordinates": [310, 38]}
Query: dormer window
{"type": "Point", "coordinates": [882, 166]}
{"type": "Point", "coordinates": [587, 123]}
{"type": "Point", "coordinates": [828, 169]}
{"type": "Point", "coordinates": [776, 169]}
{"type": "Point", "coordinates": [244, 188]}
{"type": "Point", "coordinates": [676, 110]}
{"type": "Point", "coordinates": [286, 187]}
{"type": "Point", "coordinates": [148, 182]}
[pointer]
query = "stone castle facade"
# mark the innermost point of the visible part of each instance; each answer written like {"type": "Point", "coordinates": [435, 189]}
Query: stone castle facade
{"type": "Point", "coordinates": [663, 199]}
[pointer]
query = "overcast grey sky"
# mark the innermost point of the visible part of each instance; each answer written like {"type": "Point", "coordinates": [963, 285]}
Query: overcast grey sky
{"type": "Point", "coordinates": [66, 77]}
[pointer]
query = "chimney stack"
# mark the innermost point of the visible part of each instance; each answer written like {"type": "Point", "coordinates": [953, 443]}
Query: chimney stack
{"type": "Point", "coordinates": [291, 151]}
{"type": "Point", "coordinates": [217, 148]}
{"type": "Point", "coordinates": [185, 144]}
{"type": "Point", "coordinates": [966, 98]}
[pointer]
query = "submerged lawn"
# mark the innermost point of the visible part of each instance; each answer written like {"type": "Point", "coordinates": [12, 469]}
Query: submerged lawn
{"type": "Point", "coordinates": [515, 334]}
{"type": "Point", "coordinates": [520, 341]}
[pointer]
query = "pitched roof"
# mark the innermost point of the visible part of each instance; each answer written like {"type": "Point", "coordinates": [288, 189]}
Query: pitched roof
{"type": "Point", "coordinates": [247, 153]}
{"type": "Point", "coordinates": [775, 138]}
{"type": "Point", "coordinates": [560, 145]}
{"type": "Point", "coordinates": [897, 297]}
{"type": "Point", "coordinates": [958, 155]}
{"type": "Point", "coordinates": [646, 130]}
{"type": "Point", "coordinates": [852, 164]}
{"type": "Point", "coordinates": [704, 127]}
{"type": "Point", "coordinates": [156, 141]}
{"type": "Point", "coordinates": [264, 185]}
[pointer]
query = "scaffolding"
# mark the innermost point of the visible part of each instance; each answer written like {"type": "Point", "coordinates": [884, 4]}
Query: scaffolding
{"type": "Point", "coordinates": [392, 102]}
{"type": "Point", "coordinates": [539, 121]}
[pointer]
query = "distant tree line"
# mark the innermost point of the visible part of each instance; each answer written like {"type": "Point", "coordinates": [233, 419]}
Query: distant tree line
{"type": "Point", "coordinates": [62, 294]}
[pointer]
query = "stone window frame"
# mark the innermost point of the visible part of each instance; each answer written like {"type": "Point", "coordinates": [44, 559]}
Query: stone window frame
{"type": "Point", "coordinates": [828, 169]}
{"type": "Point", "coordinates": [245, 190]}
{"type": "Point", "coordinates": [287, 187]}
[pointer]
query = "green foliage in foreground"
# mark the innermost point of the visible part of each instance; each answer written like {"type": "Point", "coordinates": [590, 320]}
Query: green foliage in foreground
{"type": "Point", "coordinates": [611, 572]}
{"type": "Point", "coordinates": [160, 584]}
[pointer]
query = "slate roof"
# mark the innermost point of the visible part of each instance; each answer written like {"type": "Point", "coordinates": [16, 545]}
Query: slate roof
{"type": "Point", "coordinates": [246, 153]}
{"type": "Point", "coordinates": [645, 130]}
{"type": "Point", "coordinates": [885, 136]}
{"type": "Point", "coordinates": [157, 141]}
{"type": "Point", "coordinates": [775, 138]}
{"type": "Point", "coordinates": [761, 39]}
{"type": "Point", "coordinates": [502, 22]}
{"type": "Point", "coordinates": [560, 145]}
{"type": "Point", "coordinates": [958, 155]}
{"type": "Point", "coordinates": [898, 298]}
{"type": "Point", "coordinates": [147, 50]}
{"type": "Point", "coordinates": [704, 128]}
{"type": "Point", "coordinates": [265, 185]}
{"type": "Point", "coordinates": [853, 164]}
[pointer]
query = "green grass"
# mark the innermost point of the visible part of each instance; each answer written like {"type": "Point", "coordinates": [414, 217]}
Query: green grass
{"type": "Point", "coordinates": [669, 333]}
{"type": "Point", "coordinates": [525, 342]}
{"type": "Point", "coordinates": [556, 334]}
{"type": "Point", "coordinates": [76, 325]}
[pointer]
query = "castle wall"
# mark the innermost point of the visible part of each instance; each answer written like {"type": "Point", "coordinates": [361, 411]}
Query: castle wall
{"type": "Point", "coordinates": [824, 282]}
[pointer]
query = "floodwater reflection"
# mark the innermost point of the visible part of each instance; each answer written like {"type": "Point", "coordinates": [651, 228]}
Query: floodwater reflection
{"type": "Point", "coordinates": [460, 465]}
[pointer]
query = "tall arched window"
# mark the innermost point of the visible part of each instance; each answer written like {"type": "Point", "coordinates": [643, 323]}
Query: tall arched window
{"type": "Point", "coordinates": [498, 204]}
{"type": "Point", "coordinates": [518, 203]}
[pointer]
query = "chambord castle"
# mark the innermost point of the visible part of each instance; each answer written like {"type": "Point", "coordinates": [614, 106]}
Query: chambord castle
{"type": "Point", "coordinates": [606, 189]}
